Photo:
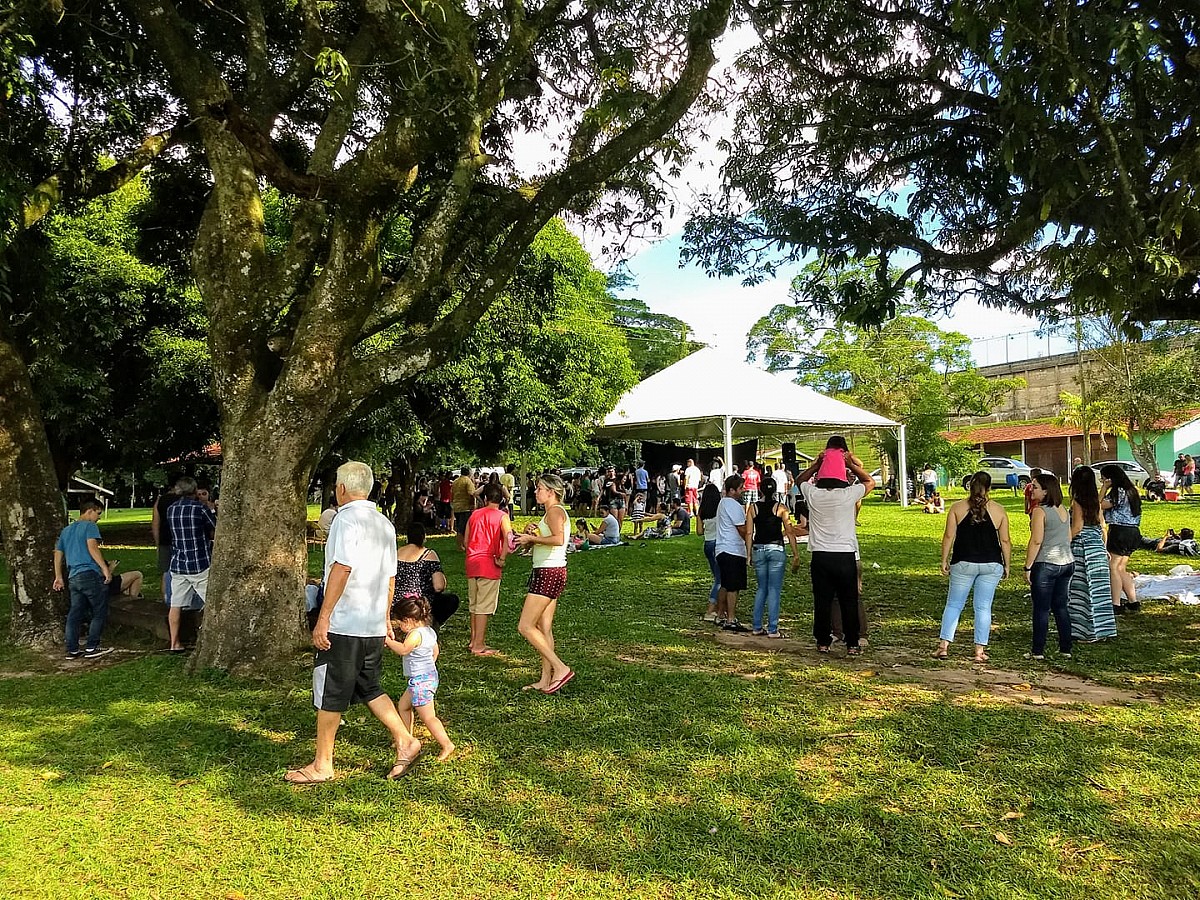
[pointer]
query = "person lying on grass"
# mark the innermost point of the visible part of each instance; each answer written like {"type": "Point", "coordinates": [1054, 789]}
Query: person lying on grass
{"type": "Point", "coordinates": [413, 618]}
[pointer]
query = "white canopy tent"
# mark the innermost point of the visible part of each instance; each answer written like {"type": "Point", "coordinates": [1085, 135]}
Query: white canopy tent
{"type": "Point", "coordinates": [712, 397]}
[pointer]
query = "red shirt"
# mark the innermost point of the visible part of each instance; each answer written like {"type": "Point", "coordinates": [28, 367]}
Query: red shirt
{"type": "Point", "coordinates": [1030, 503]}
{"type": "Point", "coordinates": [444, 490]}
{"type": "Point", "coordinates": [485, 531]}
{"type": "Point", "coordinates": [752, 479]}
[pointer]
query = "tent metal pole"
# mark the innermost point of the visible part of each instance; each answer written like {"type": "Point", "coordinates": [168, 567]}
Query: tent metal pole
{"type": "Point", "coordinates": [730, 468]}
{"type": "Point", "coordinates": [902, 475]}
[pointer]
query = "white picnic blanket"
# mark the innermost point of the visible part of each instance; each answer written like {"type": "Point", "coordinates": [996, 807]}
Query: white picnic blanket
{"type": "Point", "coordinates": [1181, 585]}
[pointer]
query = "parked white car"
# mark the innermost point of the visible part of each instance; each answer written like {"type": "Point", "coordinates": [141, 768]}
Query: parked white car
{"type": "Point", "coordinates": [1000, 467]}
{"type": "Point", "coordinates": [1136, 473]}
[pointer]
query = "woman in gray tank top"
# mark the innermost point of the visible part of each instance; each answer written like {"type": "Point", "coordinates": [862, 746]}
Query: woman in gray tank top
{"type": "Point", "coordinates": [1049, 565]}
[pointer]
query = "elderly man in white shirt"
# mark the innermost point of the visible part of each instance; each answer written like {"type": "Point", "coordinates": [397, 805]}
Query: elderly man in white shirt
{"type": "Point", "coordinates": [360, 576]}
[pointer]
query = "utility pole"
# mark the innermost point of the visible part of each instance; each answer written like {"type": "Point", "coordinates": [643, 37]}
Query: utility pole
{"type": "Point", "coordinates": [1084, 417]}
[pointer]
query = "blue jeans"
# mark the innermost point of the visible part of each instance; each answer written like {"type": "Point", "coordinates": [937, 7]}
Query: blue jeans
{"type": "Point", "coordinates": [769, 561]}
{"type": "Point", "coordinates": [984, 578]}
{"type": "Point", "coordinates": [1051, 585]}
{"type": "Point", "coordinates": [710, 553]}
{"type": "Point", "coordinates": [89, 596]}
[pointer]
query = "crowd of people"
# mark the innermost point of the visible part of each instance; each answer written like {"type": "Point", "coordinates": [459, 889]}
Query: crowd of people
{"type": "Point", "coordinates": [1076, 561]}
{"type": "Point", "coordinates": [376, 597]}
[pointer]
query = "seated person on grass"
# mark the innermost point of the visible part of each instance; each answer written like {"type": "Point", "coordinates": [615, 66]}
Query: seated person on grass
{"type": "Point", "coordinates": [935, 504]}
{"type": "Point", "coordinates": [661, 522]}
{"type": "Point", "coordinates": [610, 529]}
{"type": "Point", "coordinates": [580, 535]}
{"type": "Point", "coordinates": [127, 584]}
{"type": "Point", "coordinates": [681, 519]}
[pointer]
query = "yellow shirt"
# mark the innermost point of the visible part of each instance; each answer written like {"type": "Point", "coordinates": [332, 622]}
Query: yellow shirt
{"type": "Point", "coordinates": [462, 494]}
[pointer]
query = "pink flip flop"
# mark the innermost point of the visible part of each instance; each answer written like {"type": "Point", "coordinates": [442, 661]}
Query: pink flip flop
{"type": "Point", "coordinates": [557, 686]}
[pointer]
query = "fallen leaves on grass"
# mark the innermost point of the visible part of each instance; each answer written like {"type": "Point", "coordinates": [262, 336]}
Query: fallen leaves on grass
{"type": "Point", "coordinates": [1022, 686]}
{"type": "Point", "coordinates": [1013, 815]}
{"type": "Point", "coordinates": [1002, 838]}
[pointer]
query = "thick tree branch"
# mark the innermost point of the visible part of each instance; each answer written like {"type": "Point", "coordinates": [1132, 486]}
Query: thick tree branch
{"type": "Point", "coordinates": [340, 117]}
{"type": "Point", "coordinates": [192, 71]}
{"type": "Point", "coordinates": [708, 24]}
{"type": "Point", "coordinates": [267, 160]}
{"type": "Point", "coordinates": [43, 198]}
{"type": "Point", "coordinates": [293, 267]}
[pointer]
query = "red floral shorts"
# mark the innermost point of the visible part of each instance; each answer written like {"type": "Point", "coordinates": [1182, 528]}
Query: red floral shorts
{"type": "Point", "coordinates": [548, 582]}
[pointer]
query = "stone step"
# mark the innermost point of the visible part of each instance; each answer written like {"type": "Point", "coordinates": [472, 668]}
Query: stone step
{"type": "Point", "coordinates": [150, 617]}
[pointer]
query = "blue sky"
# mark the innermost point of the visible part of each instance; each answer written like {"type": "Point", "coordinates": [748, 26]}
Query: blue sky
{"type": "Point", "coordinates": [722, 311]}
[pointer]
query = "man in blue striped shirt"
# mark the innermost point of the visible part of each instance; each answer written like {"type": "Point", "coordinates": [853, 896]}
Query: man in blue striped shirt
{"type": "Point", "coordinates": [192, 524]}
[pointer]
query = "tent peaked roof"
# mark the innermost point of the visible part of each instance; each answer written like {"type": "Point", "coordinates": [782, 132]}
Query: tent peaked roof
{"type": "Point", "coordinates": [690, 400]}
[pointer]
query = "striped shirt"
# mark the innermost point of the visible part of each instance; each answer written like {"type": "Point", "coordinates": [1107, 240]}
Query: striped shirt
{"type": "Point", "coordinates": [191, 524]}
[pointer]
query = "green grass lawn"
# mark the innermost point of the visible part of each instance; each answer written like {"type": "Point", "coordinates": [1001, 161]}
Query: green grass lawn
{"type": "Point", "coordinates": [671, 767]}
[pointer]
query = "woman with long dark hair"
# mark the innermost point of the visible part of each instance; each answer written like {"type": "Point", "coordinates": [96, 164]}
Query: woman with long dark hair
{"type": "Point", "coordinates": [1122, 507]}
{"type": "Point", "coordinates": [770, 524]}
{"type": "Point", "coordinates": [976, 551]}
{"type": "Point", "coordinates": [1090, 600]}
{"type": "Point", "coordinates": [419, 574]}
{"type": "Point", "coordinates": [1049, 565]}
{"type": "Point", "coordinates": [710, 499]}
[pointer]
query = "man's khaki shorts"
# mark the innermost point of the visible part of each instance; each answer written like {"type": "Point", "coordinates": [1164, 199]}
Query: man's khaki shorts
{"type": "Point", "coordinates": [483, 596]}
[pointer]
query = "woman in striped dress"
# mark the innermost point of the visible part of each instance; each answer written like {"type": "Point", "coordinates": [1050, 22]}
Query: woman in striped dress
{"type": "Point", "coordinates": [1090, 601]}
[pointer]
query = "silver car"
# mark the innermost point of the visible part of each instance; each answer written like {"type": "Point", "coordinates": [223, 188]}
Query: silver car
{"type": "Point", "coordinates": [1000, 467]}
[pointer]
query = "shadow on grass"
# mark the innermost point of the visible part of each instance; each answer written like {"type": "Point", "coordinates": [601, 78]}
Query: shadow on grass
{"type": "Point", "coordinates": [744, 786]}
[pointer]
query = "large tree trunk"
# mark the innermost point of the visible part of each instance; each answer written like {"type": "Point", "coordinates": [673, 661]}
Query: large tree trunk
{"type": "Point", "coordinates": [31, 507]}
{"type": "Point", "coordinates": [1143, 449]}
{"type": "Point", "coordinates": [254, 616]}
{"type": "Point", "coordinates": [404, 475]}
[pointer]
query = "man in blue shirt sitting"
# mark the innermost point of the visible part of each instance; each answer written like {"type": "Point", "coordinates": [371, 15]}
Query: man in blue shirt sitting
{"type": "Point", "coordinates": [88, 576]}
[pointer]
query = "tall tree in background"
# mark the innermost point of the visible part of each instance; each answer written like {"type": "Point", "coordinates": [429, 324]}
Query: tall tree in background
{"type": "Point", "coordinates": [370, 116]}
{"type": "Point", "coordinates": [1142, 382]}
{"type": "Point", "coordinates": [51, 152]}
{"type": "Point", "coordinates": [1090, 416]}
{"type": "Point", "coordinates": [112, 350]}
{"type": "Point", "coordinates": [656, 340]}
{"type": "Point", "coordinates": [1038, 155]}
{"type": "Point", "coordinates": [543, 365]}
{"type": "Point", "coordinates": [908, 370]}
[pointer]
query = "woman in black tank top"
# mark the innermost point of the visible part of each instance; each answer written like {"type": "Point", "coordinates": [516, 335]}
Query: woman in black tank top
{"type": "Point", "coordinates": [770, 524]}
{"type": "Point", "coordinates": [976, 550]}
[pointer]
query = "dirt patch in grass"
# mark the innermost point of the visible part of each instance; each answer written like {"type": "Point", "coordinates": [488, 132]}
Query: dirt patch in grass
{"type": "Point", "coordinates": [54, 663]}
{"type": "Point", "coordinates": [1047, 689]}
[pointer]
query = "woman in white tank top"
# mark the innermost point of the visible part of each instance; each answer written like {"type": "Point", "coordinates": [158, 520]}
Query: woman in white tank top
{"type": "Point", "coordinates": [547, 581]}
